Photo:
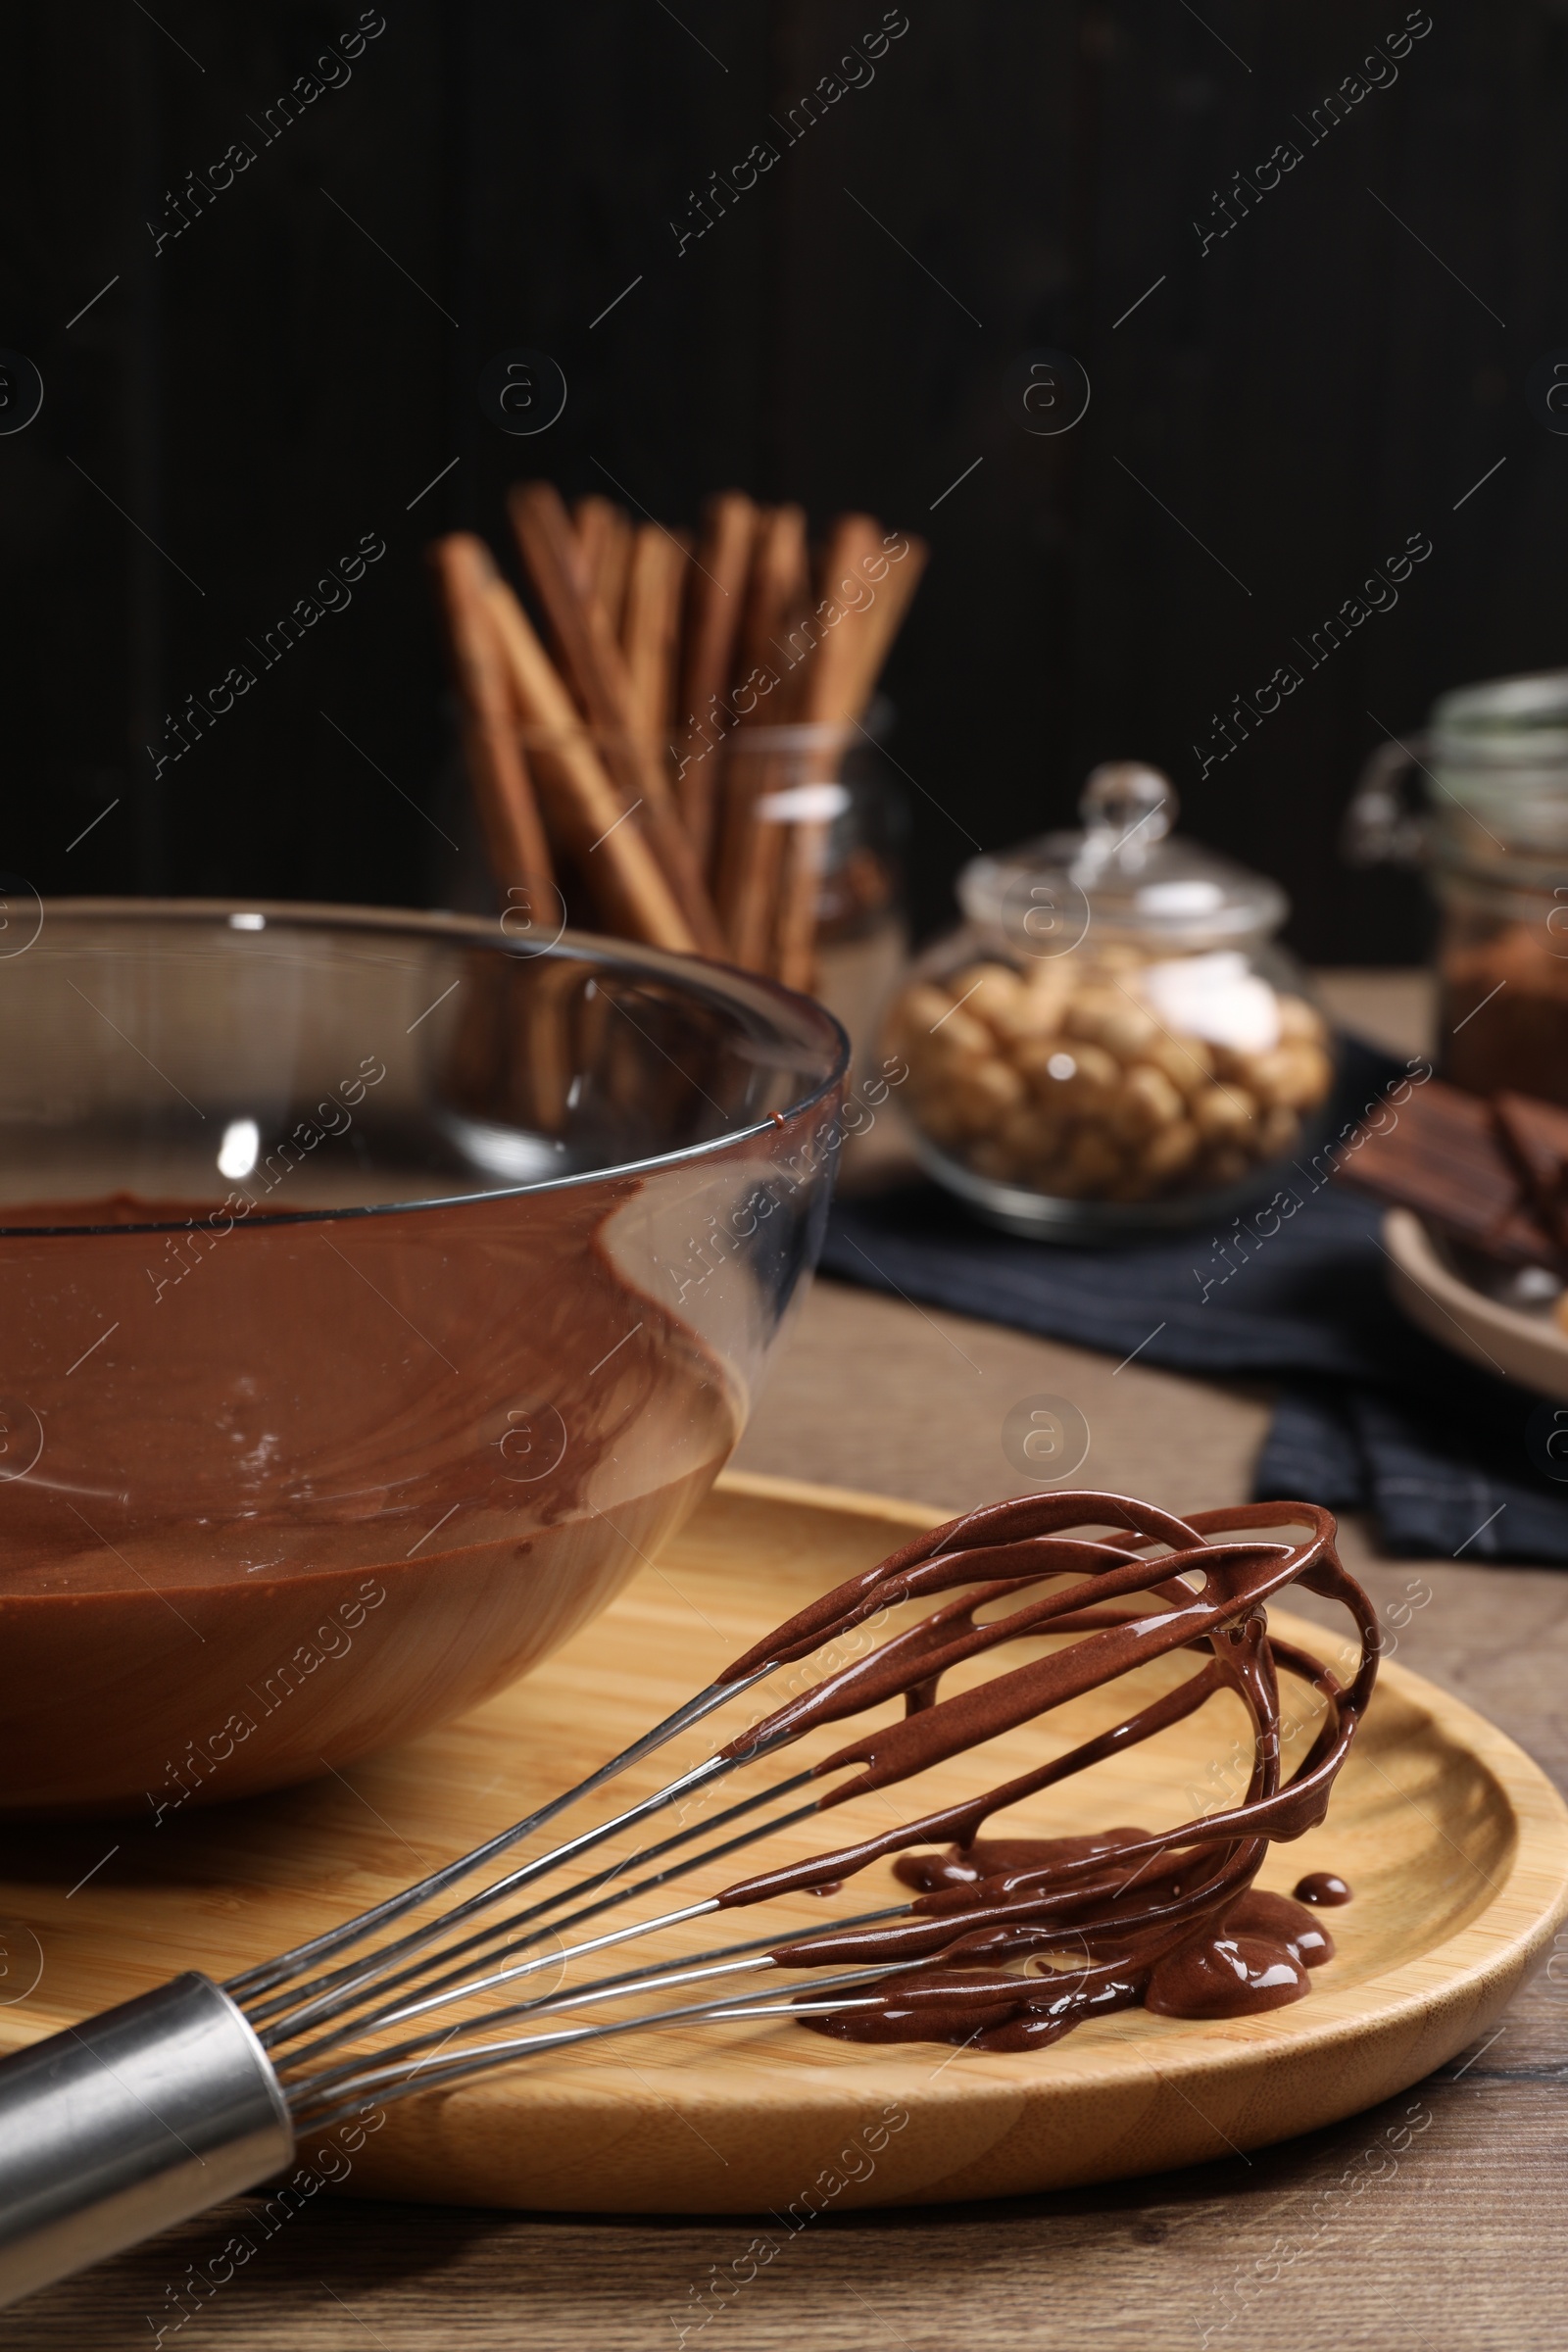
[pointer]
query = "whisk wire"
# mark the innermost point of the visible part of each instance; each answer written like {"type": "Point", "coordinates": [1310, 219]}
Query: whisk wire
{"type": "Point", "coordinates": [757, 1952]}
{"type": "Point", "coordinates": [380, 2085]}
{"type": "Point", "coordinates": [267, 1972]}
{"type": "Point", "coordinates": [451, 1986]}
{"type": "Point", "coordinates": [345, 1980]}
{"type": "Point", "coordinates": [441, 1997]}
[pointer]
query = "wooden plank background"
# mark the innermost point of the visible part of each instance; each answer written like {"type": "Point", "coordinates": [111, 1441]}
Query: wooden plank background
{"type": "Point", "coordinates": [1278, 414]}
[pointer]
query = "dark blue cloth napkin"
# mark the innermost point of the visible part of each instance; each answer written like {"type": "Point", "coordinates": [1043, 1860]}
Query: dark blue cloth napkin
{"type": "Point", "coordinates": [1370, 1413]}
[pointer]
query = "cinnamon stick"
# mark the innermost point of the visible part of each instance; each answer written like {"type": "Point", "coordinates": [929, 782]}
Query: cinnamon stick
{"type": "Point", "coordinates": [714, 606]}
{"type": "Point", "coordinates": [776, 589]}
{"type": "Point", "coordinates": [596, 670]}
{"type": "Point", "coordinates": [845, 692]}
{"type": "Point", "coordinates": [626, 880]}
{"type": "Point", "coordinates": [746, 868]}
{"type": "Point", "coordinates": [650, 632]}
{"type": "Point", "coordinates": [894, 597]}
{"type": "Point", "coordinates": [835, 678]}
{"type": "Point", "coordinates": [604, 550]}
{"type": "Point", "coordinates": [515, 848]}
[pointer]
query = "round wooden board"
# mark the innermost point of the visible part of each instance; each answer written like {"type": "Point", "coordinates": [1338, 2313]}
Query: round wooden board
{"type": "Point", "coordinates": [1456, 1845]}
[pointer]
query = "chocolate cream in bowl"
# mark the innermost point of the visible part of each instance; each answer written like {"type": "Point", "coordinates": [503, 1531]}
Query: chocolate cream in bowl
{"type": "Point", "coordinates": [275, 1491]}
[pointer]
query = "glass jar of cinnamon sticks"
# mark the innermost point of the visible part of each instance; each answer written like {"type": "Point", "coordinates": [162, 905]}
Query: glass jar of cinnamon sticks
{"type": "Point", "coordinates": [808, 831]}
{"type": "Point", "coordinates": [656, 739]}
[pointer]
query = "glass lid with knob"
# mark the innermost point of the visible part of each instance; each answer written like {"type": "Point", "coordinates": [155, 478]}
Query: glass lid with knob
{"type": "Point", "coordinates": [1126, 874]}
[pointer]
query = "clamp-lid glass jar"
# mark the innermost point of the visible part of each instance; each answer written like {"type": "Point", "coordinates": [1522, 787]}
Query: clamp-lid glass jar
{"type": "Point", "coordinates": [1113, 1041]}
{"type": "Point", "coordinates": [1493, 835]}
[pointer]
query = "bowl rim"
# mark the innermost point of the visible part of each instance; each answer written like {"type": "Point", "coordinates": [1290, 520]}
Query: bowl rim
{"type": "Point", "coordinates": [729, 982]}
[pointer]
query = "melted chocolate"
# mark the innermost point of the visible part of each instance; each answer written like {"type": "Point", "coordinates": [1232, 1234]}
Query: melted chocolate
{"type": "Point", "coordinates": [995, 1857]}
{"type": "Point", "coordinates": [1172, 1918]}
{"type": "Point", "coordinates": [1321, 1886]}
{"type": "Point", "coordinates": [306, 1485]}
{"type": "Point", "coordinates": [1255, 1957]}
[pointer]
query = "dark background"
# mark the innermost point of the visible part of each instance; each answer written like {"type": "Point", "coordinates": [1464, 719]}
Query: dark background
{"type": "Point", "coordinates": [273, 384]}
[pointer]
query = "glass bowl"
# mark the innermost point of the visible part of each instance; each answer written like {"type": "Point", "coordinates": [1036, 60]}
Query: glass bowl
{"type": "Point", "coordinates": [376, 1292]}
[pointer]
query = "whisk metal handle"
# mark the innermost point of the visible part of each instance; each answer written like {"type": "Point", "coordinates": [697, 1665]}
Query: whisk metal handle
{"type": "Point", "coordinates": [120, 2127]}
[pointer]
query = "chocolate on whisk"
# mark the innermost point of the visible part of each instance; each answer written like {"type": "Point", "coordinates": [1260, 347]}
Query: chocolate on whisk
{"type": "Point", "coordinates": [1172, 1918]}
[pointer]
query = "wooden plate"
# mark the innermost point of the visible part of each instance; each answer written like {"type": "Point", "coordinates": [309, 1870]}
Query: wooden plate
{"type": "Point", "coordinates": [1527, 1344]}
{"type": "Point", "coordinates": [1456, 1845]}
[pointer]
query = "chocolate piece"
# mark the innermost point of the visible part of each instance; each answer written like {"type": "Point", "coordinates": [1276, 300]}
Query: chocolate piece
{"type": "Point", "coordinates": [1537, 1135]}
{"type": "Point", "coordinates": [1438, 1152]}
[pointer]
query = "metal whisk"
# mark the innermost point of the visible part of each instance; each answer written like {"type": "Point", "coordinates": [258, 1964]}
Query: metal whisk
{"type": "Point", "coordinates": [198, 2091]}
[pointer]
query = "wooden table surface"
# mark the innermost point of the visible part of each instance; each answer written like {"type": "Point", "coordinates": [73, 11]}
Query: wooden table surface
{"type": "Point", "coordinates": [1437, 2220]}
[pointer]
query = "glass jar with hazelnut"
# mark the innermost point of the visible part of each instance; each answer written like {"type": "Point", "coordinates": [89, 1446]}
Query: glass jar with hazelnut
{"type": "Point", "coordinates": [1113, 1041]}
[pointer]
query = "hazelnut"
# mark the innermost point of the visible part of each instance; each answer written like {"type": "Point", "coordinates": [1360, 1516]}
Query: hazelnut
{"type": "Point", "coordinates": [1145, 1101]}
{"type": "Point", "coordinates": [1047, 990]}
{"type": "Point", "coordinates": [1033, 1014]}
{"type": "Point", "coordinates": [994, 1086]}
{"type": "Point", "coordinates": [1278, 1132]}
{"type": "Point", "coordinates": [917, 1012]}
{"type": "Point", "coordinates": [1170, 1153]}
{"type": "Point", "coordinates": [963, 982]}
{"type": "Point", "coordinates": [1297, 1073]}
{"type": "Point", "coordinates": [1186, 1061]}
{"type": "Point", "coordinates": [1300, 1023]}
{"type": "Point", "coordinates": [1308, 1078]}
{"type": "Point", "coordinates": [1035, 1056]}
{"type": "Point", "coordinates": [991, 993]}
{"type": "Point", "coordinates": [1106, 1017]}
{"type": "Point", "coordinates": [1224, 1114]}
{"type": "Point", "coordinates": [943, 1114]}
{"type": "Point", "coordinates": [995, 1159]}
{"type": "Point", "coordinates": [1226, 1166]}
{"type": "Point", "coordinates": [1092, 1001]}
{"type": "Point", "coordinates": [1256, 1071]}
{"type": "Point", "coordinates": [959, 1036]}
{"type": "Point", "coordinates": [1091, 1163]}
{"type": "Point", "coordinates": [1032, 1133]}
{"type": "Point", "coordinates": [1095, 1075]}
